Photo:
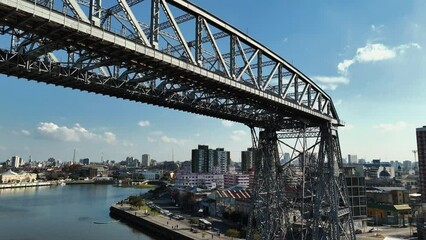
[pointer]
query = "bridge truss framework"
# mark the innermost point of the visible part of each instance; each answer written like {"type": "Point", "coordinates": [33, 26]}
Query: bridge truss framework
{"type": "Point", "coordinates": [176, 55]}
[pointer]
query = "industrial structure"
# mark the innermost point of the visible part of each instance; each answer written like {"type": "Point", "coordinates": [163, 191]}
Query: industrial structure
{"type": "Point", "coordinates": [176, 55]}
{"type": "Point", "coordinates": [421, 151]}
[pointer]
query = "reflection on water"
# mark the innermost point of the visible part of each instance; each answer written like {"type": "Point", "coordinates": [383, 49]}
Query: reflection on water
{"type": "Point", "coordinates": [64, 212]}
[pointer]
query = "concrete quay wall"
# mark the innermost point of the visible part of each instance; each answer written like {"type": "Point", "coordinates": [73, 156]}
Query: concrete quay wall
{"type": "Point", "coordinates": [24, 185]}
{"type": "Point", "coordinates": [145, 224]}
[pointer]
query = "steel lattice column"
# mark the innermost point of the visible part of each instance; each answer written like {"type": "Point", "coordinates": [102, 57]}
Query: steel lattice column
{"type": "Point", "coordinates": [332, 216]}
{"type": "Point", "coordinates": [267, 217]}
{"type": "Point", "coordinates": [319, 204]}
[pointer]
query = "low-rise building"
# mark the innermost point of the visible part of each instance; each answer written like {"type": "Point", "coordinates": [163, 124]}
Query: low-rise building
{"type": "Point", "coordinates": [92, 171]}
{"type": "Point", "coordinates": [13, 177]}
{"type": "Point", "coordinates": [199, 180]}
{"type": "Point", "coordinates": [238, 200]}
{"type": "Point", "coordinates": [152, 175]}
{"type": "Point", "coordinates": [236, 179]}
{"type": "Point", "coordinates": [388, 195]}
{"type": "Point", "coordinates": [390, 214]}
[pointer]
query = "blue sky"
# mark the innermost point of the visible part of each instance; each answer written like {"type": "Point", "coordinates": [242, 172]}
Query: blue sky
{"type": "Point", "coordinates": [368, 55]}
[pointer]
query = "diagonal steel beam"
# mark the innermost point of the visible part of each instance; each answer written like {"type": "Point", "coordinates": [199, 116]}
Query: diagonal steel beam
{"type": "Point", "coordinates": [134, 22]}
{"type": "Point", "coordinates": [270, 76]}
{"type": "Point", "coordinates": [247, 63]}
{"type": "Point", "coordinates": [215, 47]}
{"type": "Point", "coordinates": [76, 9]}
{"type": "Point", "coordinates": [293, 78]}
{"type": "Point", "coordinates": [116, 9]}
{"type": "Point", "coordinates": [177, 31]}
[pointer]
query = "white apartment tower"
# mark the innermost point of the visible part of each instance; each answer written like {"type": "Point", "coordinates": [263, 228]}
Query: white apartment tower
{"type": "Point", "coordinates": [352, 159]}
{"type": "Point", "coordinates": [16, 161]}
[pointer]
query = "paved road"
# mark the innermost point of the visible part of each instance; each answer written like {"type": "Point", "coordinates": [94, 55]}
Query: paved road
{"type": "Point", "coordinates": [389, 232]}
{"type": "Point", "coordinates": [181, 226]}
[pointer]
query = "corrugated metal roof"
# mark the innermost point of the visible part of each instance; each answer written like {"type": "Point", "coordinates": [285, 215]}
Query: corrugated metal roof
{"type": "Point", "coordinates": [402, 207]}
{"type": "Point", "coordinates": [236, 194]}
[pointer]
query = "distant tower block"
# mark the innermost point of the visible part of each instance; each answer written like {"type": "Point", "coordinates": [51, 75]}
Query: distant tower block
{"type": "Point", "coordinates": [146, 160]}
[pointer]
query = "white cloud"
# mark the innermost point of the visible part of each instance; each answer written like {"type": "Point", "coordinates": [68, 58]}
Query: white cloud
{"type": "Point", "coordinates": [330, 83]}
{"type": "Point", "coordinates": [109, 137]}
{"type": "Point", "coordinates": [76, 133]}
{"type": "Point", "coordinates": [128, 144]}
{"type": "Point", "coordinates": [338, 102]}
{"type": "Point", "coordinates": [25, 132]}
{"type": "Point", "coordinates": [387, 127]}
{"type": "Point", "coordinates": [144, 123]}
{"type": "Point", "coordinates": [374, 52]}
{"type": "Point", "coordinates": [150, 139]}
{"type": "Point", "coordinates": [376, 28]}
{"type": "Point", "coordinates": [172, 140]}
{"type": "Point", "coordinates": [157, 133]}
{"type": "Point", "coordinates": [198, 135]}
{"type": "Point", "coordinates": [227, 123]}
{"type": "Point", "coordinates": [343, 66]}
{"type": "Point", "coordinates": [238, 135]}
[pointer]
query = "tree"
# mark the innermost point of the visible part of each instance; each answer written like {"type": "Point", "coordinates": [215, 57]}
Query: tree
{"type": "Point", "coordinates": [188, 200]}
{"type": "Point", "coordinates": [136, 201]}
{"type": "Point", "coordinates": [166, 176]}
{"type": "Point", "coordinates": [232, 233]}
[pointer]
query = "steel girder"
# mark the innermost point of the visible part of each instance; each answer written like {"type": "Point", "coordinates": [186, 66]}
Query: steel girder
{"type": "Point", "coordinates": [239, 63]}
{"type": "Point", "coordinates": [168, 93]}
{"type": "Point", "coordinates": [197, 63]}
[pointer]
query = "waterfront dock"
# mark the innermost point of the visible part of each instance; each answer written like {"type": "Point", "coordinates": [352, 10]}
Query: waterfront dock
{"type": "Point", "coordinates": [161, 225]}
{"type": "Point", "coordinates": [24, 185]}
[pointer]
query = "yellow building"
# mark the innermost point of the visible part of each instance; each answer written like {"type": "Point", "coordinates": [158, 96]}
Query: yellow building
{"type": "Point", "coordinates": [13, 177]}
{"type": "Point", "coordinates": [390, 214]}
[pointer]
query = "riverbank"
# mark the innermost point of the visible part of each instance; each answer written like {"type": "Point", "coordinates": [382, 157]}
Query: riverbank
{"type": "Point", "coordinates": [160, 225]}
{"type": "Point", "coordinates": [24, 185]}
{"type": "Point", "coordinates": [52, 183]}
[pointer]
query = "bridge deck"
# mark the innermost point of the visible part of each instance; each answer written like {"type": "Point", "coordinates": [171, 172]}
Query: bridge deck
{"type": "Point", "coordinates": [179, 84]}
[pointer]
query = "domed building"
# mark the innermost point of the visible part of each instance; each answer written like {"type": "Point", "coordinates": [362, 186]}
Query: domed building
{"type": "Point", "coordinates": [384, 173]}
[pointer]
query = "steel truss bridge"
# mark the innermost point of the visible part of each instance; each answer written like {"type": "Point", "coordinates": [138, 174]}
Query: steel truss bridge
{"type": "Point", "coordinates": [174, 54]}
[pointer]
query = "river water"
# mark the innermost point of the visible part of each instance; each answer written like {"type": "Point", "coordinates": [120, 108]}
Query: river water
{"type": "Point", "coordinates": [64, 212]}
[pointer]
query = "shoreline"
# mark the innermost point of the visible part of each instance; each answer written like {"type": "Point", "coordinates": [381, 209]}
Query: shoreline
{"type": "Point", "coordinates": [160, 225]}
{"type": "Point", "coordinates": [25, 185]}
{"type": "Point", "coordinates": [51, 183]}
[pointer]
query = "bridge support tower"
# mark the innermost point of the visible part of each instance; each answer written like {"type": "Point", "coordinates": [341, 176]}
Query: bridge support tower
{"type": "Point", "coordinates": [304, 196]}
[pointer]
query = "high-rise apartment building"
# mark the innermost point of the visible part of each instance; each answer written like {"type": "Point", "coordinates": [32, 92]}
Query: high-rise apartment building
{"type": "Point", "coordinates": [247, 159]}
{"type": "Point", "coordinates": [16, 161]}
{"type": "Point", "coordinates": [200, 159]}
{"type": "Point", "coordinates": [355, 182]}
{"type": "Point", "coordinates": [221, 161]}
{"type": "Point", "coordinates": [421, 151]}
{"type": "Point", "coordinates": [205, 160]}
{"type": "Point", "coordinates": [352, 159]}
{"type": "Point", "coordinates": [146, 159]}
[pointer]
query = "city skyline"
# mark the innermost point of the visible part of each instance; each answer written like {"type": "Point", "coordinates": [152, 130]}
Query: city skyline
{"type": "Point", "coordinates": [367, 61]}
